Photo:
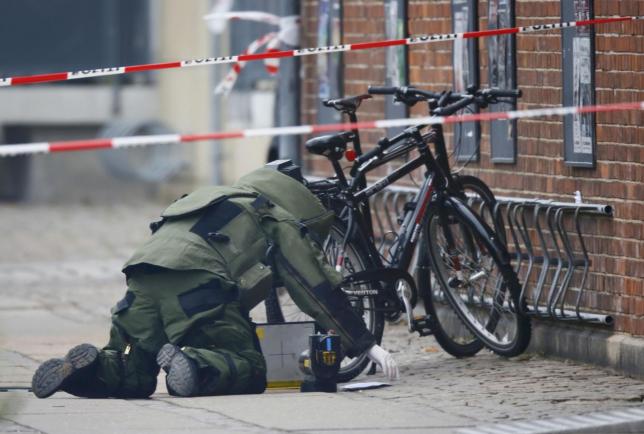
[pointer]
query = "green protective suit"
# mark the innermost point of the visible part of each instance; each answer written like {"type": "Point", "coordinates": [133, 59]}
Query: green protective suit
{"type": "Point", "coordinates": [205, 266]}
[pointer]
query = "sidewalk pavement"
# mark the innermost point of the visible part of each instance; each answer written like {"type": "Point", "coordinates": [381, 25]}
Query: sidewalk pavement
{"type": "Point", "coordinates": [59, 275]}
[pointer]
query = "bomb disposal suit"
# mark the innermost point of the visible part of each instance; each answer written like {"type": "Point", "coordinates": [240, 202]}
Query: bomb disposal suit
{"type": "Point", "coordinates": [191, 285]}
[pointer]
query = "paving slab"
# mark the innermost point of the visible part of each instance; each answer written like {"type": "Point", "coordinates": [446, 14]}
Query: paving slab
{"type": "Point", "coordinates": [332, 412]}
{"type": "Point", "coordinates": [66, 415]}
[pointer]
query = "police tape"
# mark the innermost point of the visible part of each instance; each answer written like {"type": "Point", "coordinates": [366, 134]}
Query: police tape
{"type": "Point", "coordinates": [270, 40]}
{"type": "Point", "coordinates": [136, 141]}
{"type": "Point", "coordinates": [74, 75]}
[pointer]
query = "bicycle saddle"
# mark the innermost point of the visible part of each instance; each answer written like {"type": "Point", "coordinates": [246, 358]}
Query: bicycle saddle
{"type": "Point", "coordinates": [331, 146]}
{"type": "Point", "coordinates": [347, 105]}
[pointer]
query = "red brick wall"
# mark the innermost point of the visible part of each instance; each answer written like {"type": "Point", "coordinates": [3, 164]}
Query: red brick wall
{"type": "Point", "coordinates": [616, 282]}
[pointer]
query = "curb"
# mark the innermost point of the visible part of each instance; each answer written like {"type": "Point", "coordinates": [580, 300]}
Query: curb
{"type": "Point", "coordinates": [628, 420]}
{"type": "Point", "coordinates": [621, 352]}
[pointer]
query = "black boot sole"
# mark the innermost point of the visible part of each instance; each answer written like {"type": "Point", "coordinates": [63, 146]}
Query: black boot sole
{"type": "Point", "coordinates": [50, 376]}
{"type": "Point", "coordinates": [182, 376]}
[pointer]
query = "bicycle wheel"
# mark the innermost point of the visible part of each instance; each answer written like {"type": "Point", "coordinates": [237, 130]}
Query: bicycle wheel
{"type": "Point", "coordinates": [449, 331]}
{"type": "Point", "coordinates": [280, 307]}
{"type": "Point", "coordinates": [481, 199]}
{"type": "Point", "coordinates": [481, 287]}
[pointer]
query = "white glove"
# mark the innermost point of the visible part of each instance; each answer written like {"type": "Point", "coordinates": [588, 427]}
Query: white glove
{"type": "Point", "coordinates": [385, 360]}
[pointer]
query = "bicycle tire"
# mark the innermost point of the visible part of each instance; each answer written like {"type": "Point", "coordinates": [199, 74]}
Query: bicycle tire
{"type": "Point", "coordinates": [448, 329]}
{"type": "Point", "coordinates": [281, 308]}
{"type": "Point", "coordinates": [467, 267]}
{"type": "Point", "coordinates": [483, 202]}
{"type": "Point", "coordinates": [453, 336]}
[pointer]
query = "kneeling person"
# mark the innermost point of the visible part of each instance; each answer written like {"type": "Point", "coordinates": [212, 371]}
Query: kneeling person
{"type": "Point", "coordinates": [213, 256]}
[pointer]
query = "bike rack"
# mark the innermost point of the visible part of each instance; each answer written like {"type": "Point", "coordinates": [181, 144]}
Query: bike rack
{"type": "Point", "coordinates": [545, 242]}
{"type": "Point", "coordinates": [541, 236]}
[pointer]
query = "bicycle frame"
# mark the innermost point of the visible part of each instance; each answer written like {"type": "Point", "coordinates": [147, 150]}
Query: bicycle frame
{"type": "Point", "coordinates": [437, 179]}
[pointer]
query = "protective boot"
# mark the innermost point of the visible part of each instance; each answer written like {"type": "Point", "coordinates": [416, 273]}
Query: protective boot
{"type": "Point", "coordinates": [182, 373]}
{"type": "Point", "coordinates": [54, 374]}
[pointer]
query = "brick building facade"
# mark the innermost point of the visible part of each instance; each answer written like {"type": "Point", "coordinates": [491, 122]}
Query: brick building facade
{"type": "Point", "coordinates": [616, 281]}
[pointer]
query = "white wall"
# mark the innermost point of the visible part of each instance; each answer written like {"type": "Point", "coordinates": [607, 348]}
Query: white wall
{"type": "Point", "coordinates": [185, 95]}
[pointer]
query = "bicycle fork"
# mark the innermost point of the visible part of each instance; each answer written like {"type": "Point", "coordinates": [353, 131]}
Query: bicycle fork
{"type": "Point", "coordinates": [452, 254]}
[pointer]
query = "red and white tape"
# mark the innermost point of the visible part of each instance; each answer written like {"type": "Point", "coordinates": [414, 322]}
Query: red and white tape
{"type": "Point", "coordinates": [133, 141]}
{"type": "Point", "coordinates": [288, 33]}
{"type": "Point", "coordinates": [63, 76]}
{"type": "Point", "coordinates": [269, 39]}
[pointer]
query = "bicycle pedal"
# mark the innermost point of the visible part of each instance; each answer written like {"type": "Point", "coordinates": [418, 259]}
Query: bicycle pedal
{"type": "Point", "coordinates": [422, 325]}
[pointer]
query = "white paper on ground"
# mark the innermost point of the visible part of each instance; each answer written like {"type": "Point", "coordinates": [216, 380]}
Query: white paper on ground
{"type": "Point", "coordinates": [352, 387]}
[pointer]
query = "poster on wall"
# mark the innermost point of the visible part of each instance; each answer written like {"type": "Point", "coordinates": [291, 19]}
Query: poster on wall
{"type": "Point", "coordinates": [579, 83]}
{"type": "Point", "coordinates": [395, 58]}
{"type": "Point", "coordinates": [503, 75]}
{"type": "Point", "coordinates": [329, 66]}
{"type": "Point", "coordinates": [467, 136]}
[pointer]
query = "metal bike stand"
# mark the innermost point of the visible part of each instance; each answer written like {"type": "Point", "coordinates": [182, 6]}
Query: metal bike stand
{"type": "Point", "coordinates": [546, 254]}
{"type": "Point", "coordinates": [554, 253]}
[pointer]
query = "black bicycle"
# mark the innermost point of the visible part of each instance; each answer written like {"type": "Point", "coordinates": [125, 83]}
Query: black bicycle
{"type": "Point", "coordinates": [448, 331]}
{"type": "Point", "coordinates": [470, 264]}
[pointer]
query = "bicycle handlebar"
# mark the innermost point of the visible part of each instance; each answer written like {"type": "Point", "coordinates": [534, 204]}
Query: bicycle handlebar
{"type": "Point", "coordinates": [454, 107]}
{"type": "Point", "coordinates": [425, 93]}
{"type": "Point", "coordinates": [382, 90]}
{"type": "Point", "coordinates": [449, 102]}
{"type": "Point", "coordinates": [407, 95]}
{"type": "Point", "coordinates": [480, 97]}
{"type": "Point", "coordinates": [402, 92]}
{"type": "Point", "coordinates": [446, 100]}
{"type": "Point", "coordinates": [502, 93]}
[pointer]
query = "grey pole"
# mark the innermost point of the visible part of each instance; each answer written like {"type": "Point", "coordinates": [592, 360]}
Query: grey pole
{"type": "Point", "coordinates": [287, 101]}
